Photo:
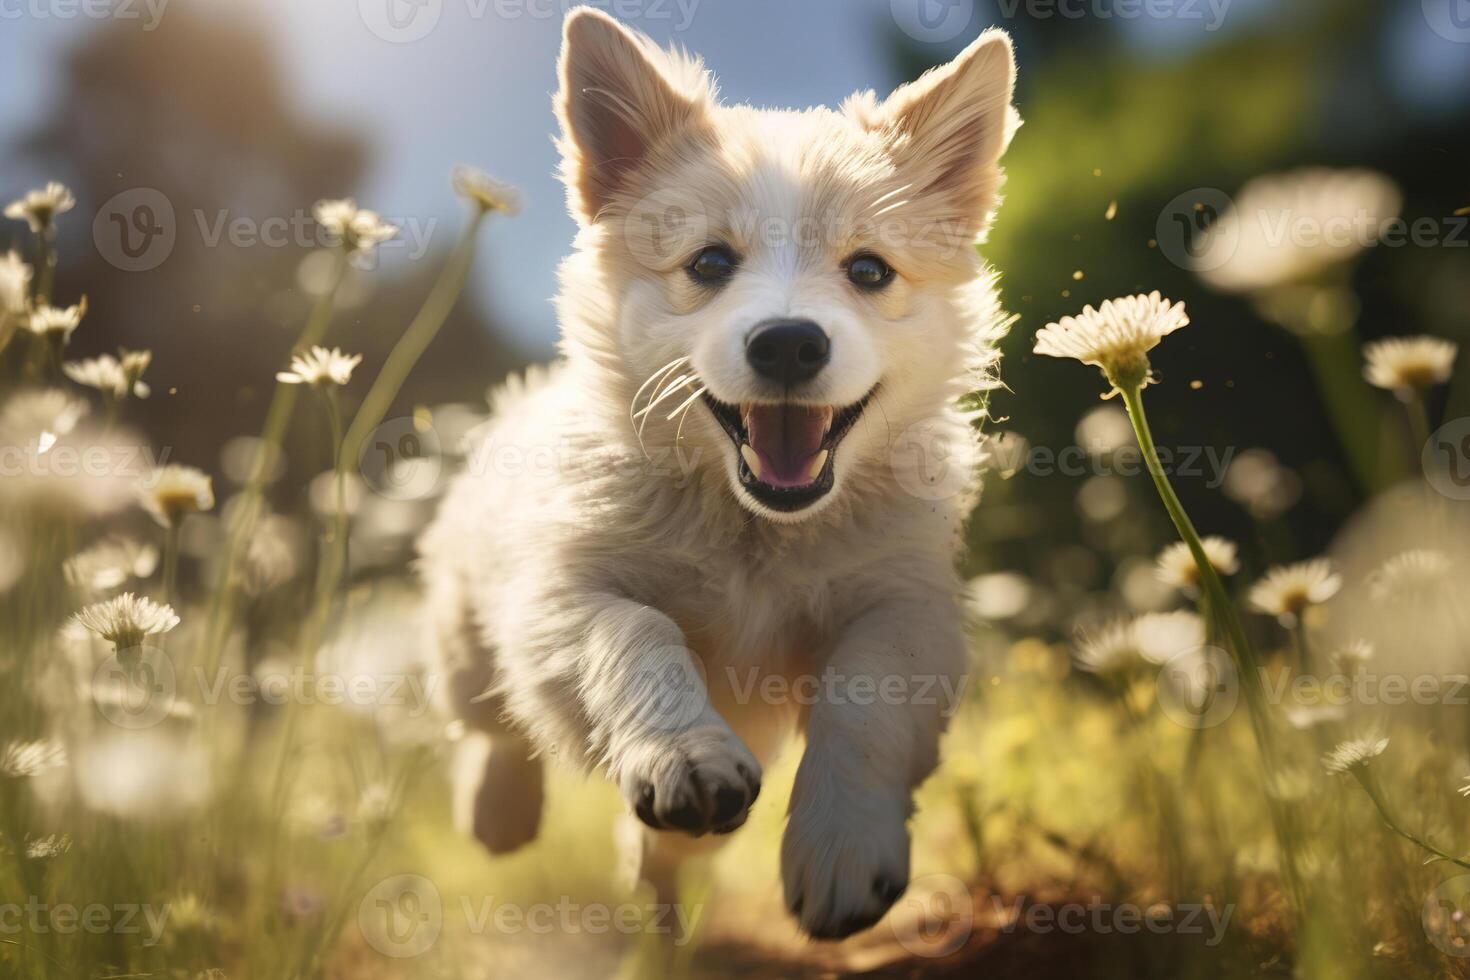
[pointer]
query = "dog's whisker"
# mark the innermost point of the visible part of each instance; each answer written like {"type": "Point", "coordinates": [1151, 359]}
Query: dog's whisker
{"type": "Point", "coordinates": [670, 389]}
{"type": "Point", "coordinates": [679, 432]}
{"type": "Point", "coordinates": [686, 403]}
{"type": "Point", "coordinates": [654, 378]}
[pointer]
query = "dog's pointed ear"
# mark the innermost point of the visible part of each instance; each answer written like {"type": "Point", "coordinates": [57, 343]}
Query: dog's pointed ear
{"type": "Point", "coordinates": [950, 126]}
{"type": "Point", "coordinates": [620, 96]}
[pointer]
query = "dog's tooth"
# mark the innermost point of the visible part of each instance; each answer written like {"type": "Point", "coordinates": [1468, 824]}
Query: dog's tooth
{"type": "Point", "coordinates": [815, 469]}
{"type": "Point", "coordinates": [751, 459]}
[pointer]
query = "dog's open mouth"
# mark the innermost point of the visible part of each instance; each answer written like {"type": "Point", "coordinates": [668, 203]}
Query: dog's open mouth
{"type": "Point", "coordinates": [786, 451]}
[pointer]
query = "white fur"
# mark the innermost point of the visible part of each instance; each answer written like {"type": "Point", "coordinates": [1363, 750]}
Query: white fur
{"type": "Point", "coordinates": [599, 583]}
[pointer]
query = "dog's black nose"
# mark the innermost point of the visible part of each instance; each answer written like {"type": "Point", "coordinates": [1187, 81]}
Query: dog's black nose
{"type": "Point", "coordinates": [788, 351]}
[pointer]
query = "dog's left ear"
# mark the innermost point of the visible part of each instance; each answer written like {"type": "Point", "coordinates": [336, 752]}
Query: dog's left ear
{"type": "Point", "coordinates": [951, 125]}
{"type": "Point", "coordinates": [620, 97]}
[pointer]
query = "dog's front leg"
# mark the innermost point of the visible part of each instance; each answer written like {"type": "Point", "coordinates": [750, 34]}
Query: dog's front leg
{"type": "Point", "coordinates": [872, 736]}
{"type": "Point", "coordinates": [645, 712]}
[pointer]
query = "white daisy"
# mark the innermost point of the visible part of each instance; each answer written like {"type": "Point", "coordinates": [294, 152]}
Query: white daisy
{"type": "Point", "coordinates": [21, 760]}
{"type": "Point", "coordinates": [114, 377]}
{"type": "Point", "coordinates": [111, 562]}
{"type": "Point", "coordinates": [1409, 364]}
{"type": "Point", "coordinates": [1355, 654]}
{"type": "Point", "coordinates": [41, 415]}
{"type": "Point", "coordinates": [485, 191]}
{"type": "Point", "coordinates": [1409, 575]}
{"type": "Point", "coordinates": [1176, 565]}
{"type": "Point", "coordinates": [1116, 337]}
{"type": "Point", "coordinates": [358, 230]}
{"type": "Point", "coordinates": [1286, 229]}
{"type": "Point", "coordinates": [50, 846]}
{"type": "Point", "coordinates": [174, 492]}
{"type": "Point", "coordinates": [39, 208]}
{"type": "Point", "coordinates": [1289, 589]}
{"type": "Point", "coordinates": [320, 367]}
{"type": "Point", "coordinates": [55, 322]}
{"type": "Point", "coordinates": [15, 292]}
{"type": "Point", "coordinates": [124, 621]}
{"type": "Point", "coordinates": [1112, 650]}
{"type": "Point", "coordinates": [1160, 637]}
{"type": "Point", "coordinates": [1354, 754]}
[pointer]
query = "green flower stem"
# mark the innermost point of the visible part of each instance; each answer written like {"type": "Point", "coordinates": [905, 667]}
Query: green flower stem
{"type": "Point", "coordinates": [1375, 793]}
{"type": "Point", "coordinates": [1335, 362]}
{"type": "Point", "coordinates": [415, 340]}
{"type": "Point", "coordinates": [1418, 425]}
{"type": "Point", "coordinates": [277, 418]}
{"type": "Point", "coordinates": [334, 541]}
{"type": "Point", "coordinates": [46, 263]}
{"type": "Point", "coordinates": [1224, 612]}
{"type": "Point", "coordinates": [170, 563]}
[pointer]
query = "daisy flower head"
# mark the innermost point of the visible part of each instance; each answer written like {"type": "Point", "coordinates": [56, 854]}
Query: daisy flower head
{"type": "Point", "coordinates": [1418, 573]}
{"type": "Point", "coordinates": [1111, 651]}
{"type": "Point", "coordinates": [320, 368]}
{"type": "Point", "coordinates": [485, 191]}
{"type": "Point", "coordinates": [1354, 754]}
{"type": "Point", "coordinates": [39, 208]}
{"type": "Point", "coordinates": [41, 415]}
{"type": "Point", "coordinates": [174, 492]}
{"type": "Point", "coordinates": [56, 323]}
{"type": "Point", "coordinates": [1160, 637]}
{"type": "Point", "coordinates": [1176, 565]}
{"type": "Point", "coordinates": [126, 620]}
{"type": "Point", "coordinates": [15, 287]}
{"type": "Point", "coordinates": [1115, 337]}
{"type": "Point", "coordinates": [358, 230]}
{"type": "Point", "coordinates": [1353, 655]}
{"type": "Point", "coordinates": [1408, 365]}
{"type": "Point", "coordinates": [1289, 229]}
{"type": "Point", "coordinates": [20, 760]}
{"type": "Point", "coordinates": [1288, 590]}
{"type": "Point", "coordinates": [109, 563]}
{"type": "Point", "coordinates": [115, 377]}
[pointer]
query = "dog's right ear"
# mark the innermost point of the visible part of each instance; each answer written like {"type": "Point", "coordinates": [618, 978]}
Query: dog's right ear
{"type": "Point", "coordinates": [620, 96]}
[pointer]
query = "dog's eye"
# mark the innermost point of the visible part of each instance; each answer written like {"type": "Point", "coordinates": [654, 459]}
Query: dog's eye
{"type": "Point", "coordinates": [867, 271]}
{"type": "Point", "coordinates": [713, 265]}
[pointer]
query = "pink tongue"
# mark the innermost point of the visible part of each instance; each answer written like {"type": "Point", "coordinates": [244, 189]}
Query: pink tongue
{"type": "Point", "coordinates": [786, 438]}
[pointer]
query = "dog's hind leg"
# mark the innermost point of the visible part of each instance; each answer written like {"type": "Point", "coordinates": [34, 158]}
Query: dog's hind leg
{"type": "Point", "coordinates": [498, 784]}
{"type": "Point", "coordinates": [498, 791]}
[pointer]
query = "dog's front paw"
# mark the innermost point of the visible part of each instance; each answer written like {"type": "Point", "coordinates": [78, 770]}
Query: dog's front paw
{"type": "Point", "coordinates": [699, 781]}
{"type": "Point", "coordinates": [843, 865]}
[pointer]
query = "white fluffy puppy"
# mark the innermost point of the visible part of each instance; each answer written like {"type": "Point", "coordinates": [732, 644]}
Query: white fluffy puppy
{"type": "Point", "coordinates": [736, 500]}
